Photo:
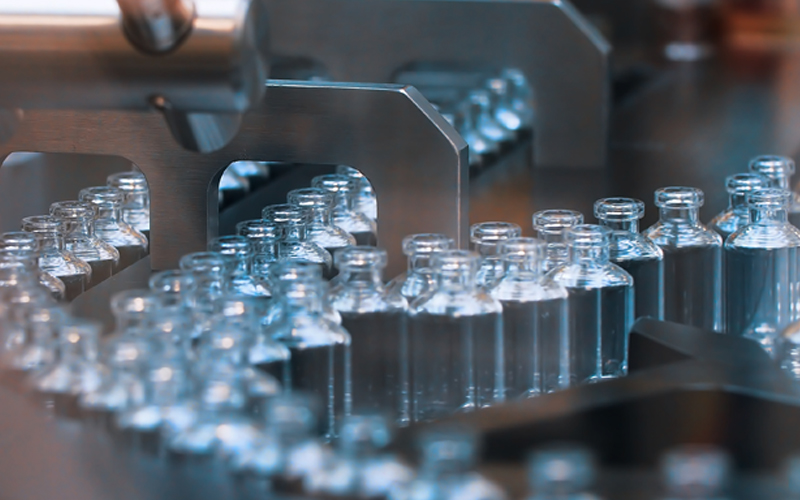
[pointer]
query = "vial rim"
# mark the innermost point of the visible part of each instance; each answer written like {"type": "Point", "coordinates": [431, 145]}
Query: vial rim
{"type": "Point", "coordinates": [556, 220]}
{"type": "Point", "coordinates": [619, 209]}
{"type": "Point", "coordinates": [679, 197]}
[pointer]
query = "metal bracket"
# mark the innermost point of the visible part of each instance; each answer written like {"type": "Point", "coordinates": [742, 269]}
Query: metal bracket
{"type": "Point", "coordinates": [415, 160]}
{"type": "Point", "coordinates": [563, 56]}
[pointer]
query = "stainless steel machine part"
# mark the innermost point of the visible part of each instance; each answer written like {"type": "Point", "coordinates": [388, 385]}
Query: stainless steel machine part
{"type": "Point", "coordinates": [561, 53]}
{"type": "Point", "coordinates": [415, 160]}
{"type": "Point", "coordinates": [76, 55]}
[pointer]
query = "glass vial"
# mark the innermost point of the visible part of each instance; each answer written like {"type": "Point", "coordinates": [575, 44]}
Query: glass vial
{"type": "Point", "coordinates": [762, 275]}
{"type": "Point", "coordinates": [54, 258]}
{"type": "Point", "coordinates": [293, 223]}
{"type": "Point", "coordinates": [486, 238]}
{"type": "Point", "coordinates": [692, 259]}
{"type": "Point", "coordinates": [600, 305]}
{"type": "Point", "coordinates": [561, 472]}
{"type": "Point", "coordinates": [239, 252]}
{"type": "Point", "coordinates": [320, 350]}
{"type": "Point", "coordinates": [80, 239]}
{"type": "Point", "coordinates": [634, 253]}
{"type": "Point", "coordinates": [779, 170]}
{"type": "Point", "coordinates": [264, 237]}
{"type": "Point", "coordinates": [377, 325]}
{"type": "Point", "coordinates": [359, 225]}
{"type": "Point", "coordinates": [737, 215]}
{"type": "Point", "coordinates": [136, 201]}
{"type": "Point", "coordinates": [364, 198]}
{"type": "Point", "coordinates": [419, 279]}
{"type": "Point", "coordinates": [23, 248]}
{"type": "Point", "coordinates": [550, 227]}
{"type": "Point", "coordinates": [535, 322]}
{"type": "Point", "coordinates": [456, 337]}
{"type": "Point", "coordinates": [109, 226]}
{"type": "Point", "coordinates": [320, 229]}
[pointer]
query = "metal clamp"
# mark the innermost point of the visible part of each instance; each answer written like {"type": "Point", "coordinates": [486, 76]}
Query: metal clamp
{"type": "Point", "coordinates": [562, 55]}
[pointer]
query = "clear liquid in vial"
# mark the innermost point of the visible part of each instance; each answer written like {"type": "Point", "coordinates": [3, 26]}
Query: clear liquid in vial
{"type": "Point", "coordinates": [647, 281]}
{"type": "Point", "coordinates": [692, 286]}
{"type": "Point", "coordinates": [379, 347]}
{"type": "Point", "coordinates": [761, 292]}
{"type": "Point", "coordinates": [457, 364]}
{"type": "Point", "coordinates": [323, 371]}
{"type": "Point", "coordinates": [101, 271]}
{"type": "Point", "coordinates": [74, 284]}
{"type": "Point", "coordinates": [536, 343]}
{"type": "Point", "coordinates": [599, 319]}
{"type": "Point", "coordinates": [129, 255]}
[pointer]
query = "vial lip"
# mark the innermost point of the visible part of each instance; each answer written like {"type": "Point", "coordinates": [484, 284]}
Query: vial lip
{"type": "Point", "coordinates": [744, 183]}
{"type": "Point", "coordinates": [204, 263]}
{"type": "Point", "coordinates": [556, 221]}
{"type": "Point", "coordinates": [310, 197]}
{"type": "Point", "coordinates": [493, 232]}
{"type": "Point", "coordinates": [561, 467]}
{"type": "Point", "coordinates": [773, 166]}
{"type": "Point", "coordinates": [426, 243]}
{"type": "Point", "coordinates": [361, 257]}
{"type": "Point", "coordinates": [456, 261]}
{"type": "Point", "coordinates": [131, 182]}
{"type": "Point", "coordinates": [134, 302]}
{"type": "Point", "coordinates": [771, 198]}
{"type": "Point", "coordinates": [618, 209]}
{"type": "Point", "coordinates": [102, 196]}
{"type": "Point", "coordinates": [522, 247]}
{"type": "Point", "coordinates": [588, 235]}
{"type": "Point", "coordinates": [172, 281]}
{"type": "Point", "coordinates": [258, 229]}
{"type": "Point", "coordinates": [333, 183]}
{"type": "Point", "coordinates": [230, 245]}
{"type": "Point", "coordinates": [696, 469]}
{"type": "Point", "coordinates": [72, 210]}
{"type": "Point", "coordinates": [285, 215]}
{"type": "Point", "coordinates": [42, 224]}
{"type": "Point", "coordinates": [679, 197]}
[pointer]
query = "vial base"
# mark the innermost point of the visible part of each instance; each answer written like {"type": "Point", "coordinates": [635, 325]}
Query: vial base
{"type": "Point", "coordinates": [379, 348]}
{"type": "Point", "coordinates": [648, 279]}
{"type": "Point", "coordinates": [536, 346]}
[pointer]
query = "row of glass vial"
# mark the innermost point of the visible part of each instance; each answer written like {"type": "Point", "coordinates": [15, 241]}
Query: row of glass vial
{"type": "Point", "coordinates": [81, 243]}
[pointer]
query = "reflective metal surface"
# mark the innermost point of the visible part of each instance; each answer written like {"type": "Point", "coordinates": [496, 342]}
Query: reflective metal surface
{"type": "Point", "coordinates": [414, 159]}
{"type": "Point", "coordinates": [563, 56]}
{"type": "Point", "coordinates": [157, 25]}
{"type": "Point", "coordinates": [75, 55]}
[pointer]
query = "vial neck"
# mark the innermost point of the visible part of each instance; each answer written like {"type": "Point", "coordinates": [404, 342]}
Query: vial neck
{"type": "Point", "coordinates": [360, 276]}
{"type": "Point", "coordinates": [108, 214]}
{"type": "Point", "coordinates": [50, 243]}
{"type": "Point", "coordinates": [420, 262]}
{"type": "Point", "coordinates": [309, 304]}
{"type": "Point", "coordinates": [137, 202]}
{"type": "Point", "coordinates": [738, 203]}
{"type": "Point", "coordinates": [768, 215]}
{"type": "Point", "coordinates": [294, 233]}
{"type": "Point", "coordinates": [630, 225]}
{"type": "Point", "coordinates": [321, 216]}
{"type": "Point", "coordinates": [79, 229]}
{"type": "Point", "coordinates": [242, 265]}
{"type": "Point", "coordinates": [527, 267]}
{"type": "Point", "coordinates": [680, 215]}
{"type": "Point", "coordinates": [341, 201]}
{"type": "Point", "coordinates": [487, 249]}
{"type": "Point", "coordinates": [457, 281]}
{"type": "Point", "coordinates": [589, 255]}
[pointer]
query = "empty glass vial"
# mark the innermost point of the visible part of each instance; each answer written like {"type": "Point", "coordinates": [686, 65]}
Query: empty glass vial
{"type": "Point", "coordinates": [378, 331]}
{"type": "Point", "coordinates": [54, 258]}
{"type": "Point", "coordinates": [779, 170]}
{"type": "Point", "coordinates": [692, 259]}
{"type": "Point", "coordinates": [76, 370]}
{"type": "Point", "coordinates": [320, 350]}
{"type": "Point", "coordinates": [209, 270]}
{"type": "Point", "coordinates": [600, 305]}
{"type": "Point", "coordinates": [419, 279]}
{"type": "Point", "coordinates": [359, 225]}
{"type": "Point", "coordinates": [695, 471]}
{"type": "Point", "coordinates": [175, 291]}
{"type": "Point", "coordinates": [109, 226]}
{"type": "Point", "coordinates": [22, 247]}
{"type": "Point", "coordinates": [361, 468]}
{"type": "Point", "coordinates": [239, 251]}
{"type": "Point", "coordinates": [634, 253]}
{"type": "Point", "coordinates": [550, 227]}
{"type": "Point", "coordinates": [456, 342]}
{"type": "Point", "coordinates": [762, 272]}
{"type": "Point", "coordinates": [737, 215]}
{"type": "Point", "coordinates": [561, 472]}
{"type": "Point", "coordinates": [293, 223]}
{"type": "Point", "coordinates": [136, 201]}
{"type": "Point", "coordinates": [486, 238]}
{"type": "Point", "coordinates": [535, 322]}
{"type": "Point", "coordinates": [32, 347]}
{"type": "Point", "coordinates": [80, 239]}
{"type": "Point", "coordinates": [364, 198]}
{"type": "Point", "coordinates": [285, 273]}
{"type": "Point", "coordinates": [264, 237]}
{"type": "Point", "coordinates": [320, 229]}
